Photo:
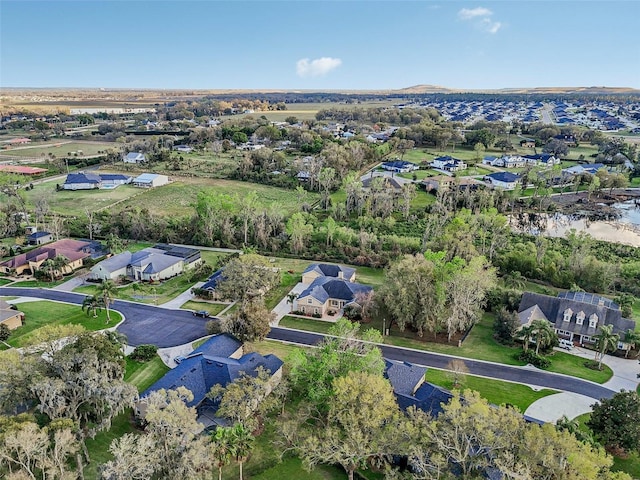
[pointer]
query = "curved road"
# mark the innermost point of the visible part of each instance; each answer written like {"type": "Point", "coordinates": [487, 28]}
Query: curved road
{"type": "Point", "coordinates": [167, 328]}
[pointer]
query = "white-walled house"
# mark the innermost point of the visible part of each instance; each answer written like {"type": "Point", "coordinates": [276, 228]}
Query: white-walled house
{"type": "Point", "coordinates": [134, 157]}
{"type": "Point", "coordinates": [150, 180]}
{"type": "Point", "coordinates": [504, 180]}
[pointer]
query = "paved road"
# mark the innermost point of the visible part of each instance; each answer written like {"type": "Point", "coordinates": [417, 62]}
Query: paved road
{"type": "Point", "coordinates": [143, 323]}
{"type": "Point", "coordinates": [166, 328]}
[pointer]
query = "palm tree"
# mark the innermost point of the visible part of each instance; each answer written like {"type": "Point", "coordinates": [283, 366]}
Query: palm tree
{"type": "Point", "coordinates": [291, 298]}
{"type": "Point", "coordinates": [222, 448]}
{"type": "Point", "coordinates": [92, 304]}
{"type": "Point", "coordinates": [108, 292]}
{"type": "Point", "coordinates": [242, 443]}
{"type": "Point", "coordinates": [48, 268]}
{"type": "Point", "coordinates": [515, 280]}
{"type": "Point", "coordinates": [544, 333]}
{"type": "Point", "coordinates": [632, 339]}
{"type": "Point", "coordinates": [59, 262]}
{"type": "Point", "coordinates": [525, 334]}
{"type": "Point", "coordinates": [605, 340]}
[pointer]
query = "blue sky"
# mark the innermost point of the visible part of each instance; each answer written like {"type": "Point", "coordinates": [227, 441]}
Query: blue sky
{"type": "Point", "coordinates": [309, 44]}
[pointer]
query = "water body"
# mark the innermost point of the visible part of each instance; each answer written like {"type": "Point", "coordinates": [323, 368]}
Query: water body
{"type": "Point", "coordinates": [624, 230]}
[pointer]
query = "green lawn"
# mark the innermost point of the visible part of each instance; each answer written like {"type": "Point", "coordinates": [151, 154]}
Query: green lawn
{"type": "Point", "coordinates": [144, 374]}
{"type": "Point", "coordinates": [308, 324]}
{"type": "Point", "coordinates": [291, 467]}
{"type": "Point", "coordinates": [212, 308]}
{"type": "Point", "coordinates": [177, 198]}
{"type": "Point", "coordinates": [212, 258]}
{"type": "Point", "coordinates": [41, 313]}
{"type": "Point", "coordinates": [4, 281]}
{"type": "Point", "coordinates": [495, 391]}
{"type": "Point", "coordinates": [38, 283]}
{"type": "Point", "coordinates": [98, 447]}
{"type": "Point", "coordinates": [151, 294]}
{"type": "Point", "coordinates": [420, 174]}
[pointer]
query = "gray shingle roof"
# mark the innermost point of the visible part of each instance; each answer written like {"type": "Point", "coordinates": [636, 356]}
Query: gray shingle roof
{"type": "Point", "coordinates": [324, 288]}
{"type": "Point", "coordinates": [330, 270]}
{"type": "Point", "coordinates": [83, 178]}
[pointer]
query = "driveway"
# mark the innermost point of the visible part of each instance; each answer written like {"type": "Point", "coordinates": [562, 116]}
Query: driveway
{"type": "Point", "coordinates": [283, 308]}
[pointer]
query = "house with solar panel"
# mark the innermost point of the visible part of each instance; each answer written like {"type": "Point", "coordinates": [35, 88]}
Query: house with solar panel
{"type": "Point", "coordinates": [218, 361]}
{"type": "Point", "coordinates": [92, 181]}
{"type": "Point", "coordinates": [575, 316]}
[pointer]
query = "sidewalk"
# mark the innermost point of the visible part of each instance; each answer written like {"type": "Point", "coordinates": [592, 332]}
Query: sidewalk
{"type": "Point", "coordinates": [553, 407]}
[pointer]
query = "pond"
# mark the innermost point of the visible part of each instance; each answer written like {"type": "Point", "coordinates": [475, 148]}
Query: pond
{"type": "Point", "coordinates": [624, 230]}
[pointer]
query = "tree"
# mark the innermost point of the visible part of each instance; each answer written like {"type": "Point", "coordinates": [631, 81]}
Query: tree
{"type": "Point", "coordinates": [504, 145]}
{"type": "Point", "coordinates": [526, 333]}
{"type": "Point", "coordinates": [632, 340]}
{"type": "Point", "coordinates": [606, 341]}
{"type": "Point", "coordinates": [17, 372]}
{"type": "Point", "coordinates": [505, 326]}
{"type": "Point", "coordinates": [248, 206]}
{"type": "Point", "coordinates": [5, 332]}
{"type": "Point", "coordinates": [556, 147]}
{"type": "Point", "coordinates": [108, 292]}
{"type": "Point", "coordinates": [515, 280]}
{"type": "Point", "coordinates": [313, 371]}
{"type": "Point", "coordinates": [616, 421]}
{"type": "Point", "coordinates": [241, 444]}
{"type": "Point", "coordinates": [92, 304]}
{"type": "Point", "coordinates": [221, 447]}
{"type": "Point", "coordinates": [251, 322]}
{"type": "Point", "coordinates": [291, 297]}
{"type": "Point", "coordinates": [479, 150]}
{"type": "Point", "coordinates": [114, 243]}
{"type": "Point", "coordinates": [458, 371]}
{"type": "Point", "coordinates": [299, 231]}
{"type": "Point", "coordinates": [543, 334]}
{"type": "Point", "coordinates": [247, 277]}
{"type": "Point", "coordinates": [361, 418]}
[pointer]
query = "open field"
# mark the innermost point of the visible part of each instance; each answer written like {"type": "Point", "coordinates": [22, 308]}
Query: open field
{"type": "Point", "coordinates": [212, 308]}
{"type": "Point", "coordinates": [178, 198]}
{"type": "Point", "coordinates": [41, 313]}
{"type": "Point", "coordinates": [60, 148]}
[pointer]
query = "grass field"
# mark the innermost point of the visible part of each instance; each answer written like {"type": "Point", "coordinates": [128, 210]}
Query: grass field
{"type": "Point", "coordinates": [150, 294]}
{"type": "Point", "coordinates": [41, 313]}
{"type": "Point", "coordinates": [62, 148]}
{"type": "Point", "coordinates": [178, 198]}
{"type": "Point", "coordinates": [495, 391]}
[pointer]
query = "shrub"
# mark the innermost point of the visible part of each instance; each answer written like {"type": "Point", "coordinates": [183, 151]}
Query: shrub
{"type": "Point", "coordinates": [213, 327]}
{"type": "Point", "coordinates": [144, 353]}
{"type": "Point", "coordinates": [317, 315]}
{"type": "Point", "coordinates": [536, 360]}
{"type": "Point", "coordinates": [5, 333]}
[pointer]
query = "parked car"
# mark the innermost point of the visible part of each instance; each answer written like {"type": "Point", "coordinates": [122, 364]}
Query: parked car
{"type": "Point", "coordinates": [202, 313]}
{"type": "Point", "coordinates": [566, 344]}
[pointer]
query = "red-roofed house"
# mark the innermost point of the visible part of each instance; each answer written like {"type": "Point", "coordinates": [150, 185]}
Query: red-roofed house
{"type": "Point", "coordinates": [19, 141]}
{"type": "Point", "coordinates": [74, 250]}
{"type": "Point", "coordinates": [22, 170]}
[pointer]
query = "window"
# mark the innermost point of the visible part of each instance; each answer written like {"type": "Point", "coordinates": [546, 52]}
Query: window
{"type": "Point", "coordinates": [567, 315]}
{"type": "Point", "coordinates": [334, 303]}
{"type": "Point", "coordinates": [310, 301]}
{"type": "Point", "coordinates": [593, 320]}
{"type": "Point", "coordinates": [580, 318]}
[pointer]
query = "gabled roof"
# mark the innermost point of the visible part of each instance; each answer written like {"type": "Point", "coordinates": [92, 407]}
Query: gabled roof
{"type": "Point", "coordinates": [83, 178]}
{"type": "Point", "coordinates": [116, 262]}
{"type": "Point", "coordinates": [146, 178]}
{"type": "Point", "coordinates": [213, 280]}
{"type": "Point", "coordinates": [506, 177]}
{"type": "Point", "coordinates": [37, 235]}
{"type": "Point", "coordinates": [223, 345]}
{"type": "Point", "coordinates": [199, 372]}
{"type": "Point", "coordinates": [135, 156]}
{"type": "Point", "coordinates": [324, 288]}
{"type": "Point", "coordinates": [390, 182]}
{"type": "Point", "coordinates": [330, 270]}
{"type": "Point", "coordinates": [72, 249]}
{"type": "Point", "coordinates": [6, 311]}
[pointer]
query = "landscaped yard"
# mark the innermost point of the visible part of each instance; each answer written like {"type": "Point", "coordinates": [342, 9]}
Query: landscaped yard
{"type": "Point", "coordinates": [144, 374]}
{"type": "Point", "coordinates": [41, 313]}
{"type": "Point", "coordinates": [495, 391]}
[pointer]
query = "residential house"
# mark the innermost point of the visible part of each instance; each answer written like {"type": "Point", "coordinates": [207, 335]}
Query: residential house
{"type": "Point", "coordinates": [575, 316]}
{"type": "Point", "coordinates": [528, 143]}
{"type": "Point", "coordinates": [91, 181]}
{"type": "Point", "coordinates": [570, 140]}
{"type": "Point", "coordinates": [388, 183]}
{"type": "Point", "coordinates": [212, 282]}
{"type": "Point", "coordinates": [445, 182]}
{"type": "Point", "coordinates": [328, 295]}
{"type": "Point", "coordinates": [150, 264]}
{"type": "Point", "coordinates": [82, 181]}
{"type": "Point", "coordinates": [183, 148]}
{"type": "Point", "coordinates": [513, 161]}
{"type": "Point", "coordinates": [74, 250]}
{"type": "Point", "coordinates": [134, 157]}
{"type": "Point", "coordinates": [10, 315]}
{"type": "Point", "coordinates": [504, 180]}
{"type": "Point", "coordinates": [449, 164]}
{"type": "Point", "coordinates": [493, 161]}
{"type": "Point", "coordinates": [218, 361]}
{"type": "Point", "coordinates": [590, 168]}
{"type": "Point", "coordinates": [22, 170]}
{"type": "Point", "coordinates": [542, 159]}
{"type": "Point", "coordinates": [411, 390]}
{"type": "Point", "coordinates": [316, 270]}
{"type": "Point", "coordinates": [39, 238]}
{"type": "Point", "coordinates": [150, 180]}
{"type": "Point", "coordinates": [399, 166]}
{"type": "Point", "coordinates": [303, 176]}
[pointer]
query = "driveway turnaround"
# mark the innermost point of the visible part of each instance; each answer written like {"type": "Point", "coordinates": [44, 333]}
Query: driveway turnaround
{"type": "Point", "coordinates": [143, 323]}
{"type": "Point", "coordinates": [551, 408]}
{"type": "Point", "coordinates": [168, 328]}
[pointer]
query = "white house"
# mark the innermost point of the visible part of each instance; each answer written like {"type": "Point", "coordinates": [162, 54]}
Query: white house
{"type": "Point", "coordinates": [449, 164]}
{"type": "Point", "coordinates": [504, 180]}
{"type": "Point", "coordinates": [134, 157]}
{"type": "Point", "coordinates": [149, 180]}
{"type": "Point", "coordinates": [513, 161]}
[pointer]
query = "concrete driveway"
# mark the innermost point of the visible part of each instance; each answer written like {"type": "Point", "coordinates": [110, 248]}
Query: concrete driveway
{"type": "Point", "coordinates": [283, 308]}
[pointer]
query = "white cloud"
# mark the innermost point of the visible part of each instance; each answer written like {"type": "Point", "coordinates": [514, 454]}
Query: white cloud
{"type": "Point", "coordinates": [469, 13]}
{"type": "Point", "coordinates": [317, 67]}
{"type": "Point", "coordinates": [481, 18]}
